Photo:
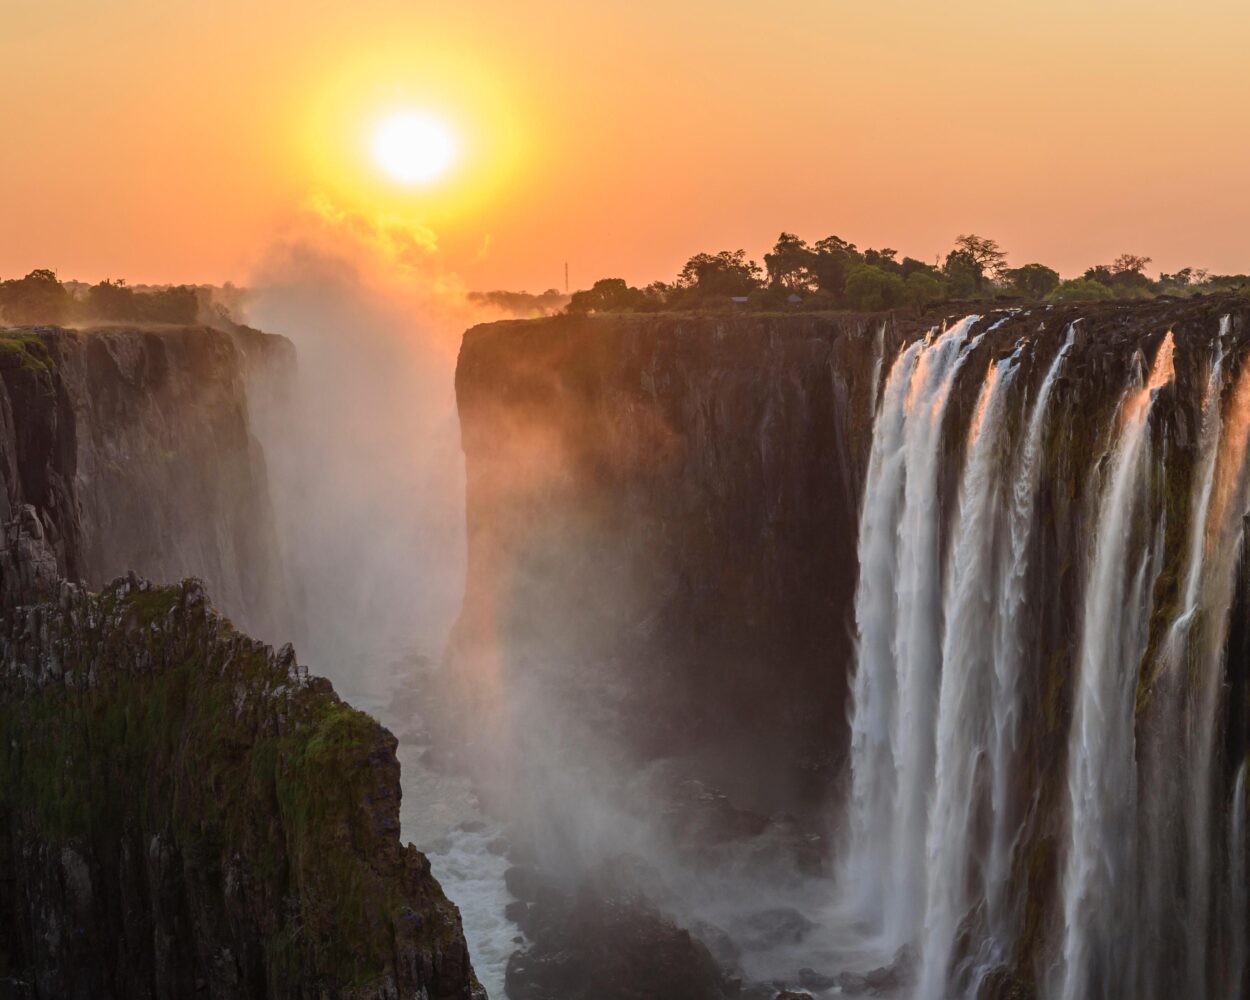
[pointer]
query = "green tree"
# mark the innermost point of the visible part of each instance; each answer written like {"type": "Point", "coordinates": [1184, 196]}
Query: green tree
{"type": "Point", "coordinates": [37, 299]}
{"type": "Point", "coordinates": [1080, 290]}
{"type": "Point", "coordinates": [1126, 275]}
{"type": "Point", "coordinates": [177, 304]}
{"type": "Point", "coordinates": [871, 289]}
{"type": "Point", "coordinates": [883, 259]}
{"type": "Point", "coordinates": [833, 262]}
{"type": "Point", "coordinates": [1034, 280]}
{"type": "Point", "coordinates": [921, 289]}
{"type": "Point", "coordinates": [912, 266]}
{"type": "Point", "coordinates": [963, 275]}
{"type": "Point", "coordinates": [111, 300]}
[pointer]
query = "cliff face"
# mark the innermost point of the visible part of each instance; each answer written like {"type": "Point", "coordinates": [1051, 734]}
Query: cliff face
{"type": "Point", "coordinates": [665, 529]}
{"type": "Point", "coordinates": [673, 500]}
{"type": "Point", "coordinates": [133, 449]}
{"type": "Point", "coordinates": [185, 813]}
{"type": "Point", "coordinates": [671, 504]}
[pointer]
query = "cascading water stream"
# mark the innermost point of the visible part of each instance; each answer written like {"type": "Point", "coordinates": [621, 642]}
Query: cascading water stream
{"type": "Point", "coordinates": [1009, 651]}
{"type": "Point", "coordinates": [1216, 586]}
{"type": "Point", "coordinates": [1097, 879]}
{"type": "Point", "coordinates": [947, 792]}
{"type": "Point", "coordinates": [898, 619]}
{"type": "Point", "coordinates": [964, 709]}
{"type": "Point", "coordinates": [918, 627]}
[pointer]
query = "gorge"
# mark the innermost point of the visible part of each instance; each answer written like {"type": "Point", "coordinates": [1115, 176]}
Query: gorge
{"type": "Point", "coordinates": [897, 655]}
{"type": "Point", "coordinates": [1018, 729]}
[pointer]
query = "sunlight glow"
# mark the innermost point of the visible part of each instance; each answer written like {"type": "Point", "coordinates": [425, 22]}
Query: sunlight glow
{"type": "Point", "coordinates": [414, 148]}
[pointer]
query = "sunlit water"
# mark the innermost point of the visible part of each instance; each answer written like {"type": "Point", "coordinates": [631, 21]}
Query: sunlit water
{"type": "Point", "coordinates": [441, 816]}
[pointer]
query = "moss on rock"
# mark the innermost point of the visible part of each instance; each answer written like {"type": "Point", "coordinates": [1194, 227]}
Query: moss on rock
{"type": "Point", "coordinates": [185, 810]}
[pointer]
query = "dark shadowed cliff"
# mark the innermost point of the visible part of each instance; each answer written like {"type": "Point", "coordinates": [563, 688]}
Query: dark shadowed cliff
{"type": "Point", "coordinates": [183, 813]}
{"type": "Point", "coordinates": [664, 518]}
{"type": "Point", "coordinates": [133, 448]}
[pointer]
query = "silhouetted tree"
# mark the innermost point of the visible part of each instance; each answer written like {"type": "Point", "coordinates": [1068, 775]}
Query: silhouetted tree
{"type": "Point", "coordinates": [1129, 263]}
{"type": "Point", "coordinates": [963, 274]}
{"type": "Point", "coordinates": [111, 300]}
{"type": "Point", "coordinates": [832, 263]}
{"type": "Point", "coordinates": [727, 273]}
{"type": "Point", "coordinates": [39, 298]}
{"type": "Point", "coordinates": [789, 264]}
{"type": "Point", "coordinates": [884, 260]}
{"type": "Point", "coordinates": [608, 295]}
{"type": "Point", "coordinates": [1034, 280]}
{"type": "Point", "coordinates": [177, 304]}
{"type": "Point", "coordinates": [985, 255]}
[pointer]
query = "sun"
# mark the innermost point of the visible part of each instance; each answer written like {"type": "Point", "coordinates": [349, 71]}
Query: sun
{"type": "Point", "coordinates": [413, 147]}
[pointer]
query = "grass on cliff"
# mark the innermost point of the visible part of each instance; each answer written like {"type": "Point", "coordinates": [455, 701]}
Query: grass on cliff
{"type": "Point", "coordinates": [168, 724]}
{"type": "Point", "coordinates": [24, 350]}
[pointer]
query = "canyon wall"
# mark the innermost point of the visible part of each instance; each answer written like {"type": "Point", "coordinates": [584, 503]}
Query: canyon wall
{"type": "Point", "coordinates": [184, 812]}
{"type": "Point", "coordinates": [713, 541]}
{"type": "Point", "coordinates": [669, 503]}
{"type": "Point", "coordinates": [132, 450]}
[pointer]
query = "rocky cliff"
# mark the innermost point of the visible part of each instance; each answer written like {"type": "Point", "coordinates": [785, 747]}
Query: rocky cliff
{"type": "Point", "coordinates": [664, 520]}
{"type": "Point", "coordinates": [672, 501]}
{"type": "Point", "coordinates": [131, 450]}
{"type": "Point", "coordinates": [184, 812]}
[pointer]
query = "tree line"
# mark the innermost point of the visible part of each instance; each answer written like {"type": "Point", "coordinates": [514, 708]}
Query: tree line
{"type": "Point", "coordinates": [835, 274]}
{"type": "Point", "coordinates": [41, 299]}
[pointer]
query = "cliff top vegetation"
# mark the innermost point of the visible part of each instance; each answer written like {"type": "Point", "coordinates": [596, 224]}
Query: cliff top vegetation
{"type": "Point", "coordinates": [832, 274]}
{"type": "Point", "coordinates": [42, 299]}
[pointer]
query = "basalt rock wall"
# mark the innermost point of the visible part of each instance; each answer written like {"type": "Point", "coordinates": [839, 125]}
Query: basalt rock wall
{"type": "Point", "coordinates": [663, 513]}
{"type": "Point", "coordinates": [130, 449]}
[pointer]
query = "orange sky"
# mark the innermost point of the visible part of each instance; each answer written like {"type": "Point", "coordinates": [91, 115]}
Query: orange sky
{"type": "Point", "coordinates": [176, 141]}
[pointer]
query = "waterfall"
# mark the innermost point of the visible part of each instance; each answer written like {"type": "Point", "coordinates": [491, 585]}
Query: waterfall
{"type": "Point", "coordinates": [898, 619]}
{"type": "Point", "coordinates": [1227, 508]}
{"type": "Point", "coordinates": [952, 818]}
{"type": "Point", "coordinates": [1097, 882]}
{"type": "Point", "coordinates": [963, 729]}
{"type": "Point", "coordinates": [1009, 653]}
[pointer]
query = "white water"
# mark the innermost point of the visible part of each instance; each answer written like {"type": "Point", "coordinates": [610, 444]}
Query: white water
{"type": "Point", "coordinates": [964, 712]}
{"type": "Point", "coordinates": [1098, 873]}
{"type": "Point", "coordinates": [440, 814]}
{"type": "Point", "coordinates": [947, 637]}
{"type": "Point", "coordinates": [1009, 655]}
{"type": "Point", "coordinates": [1227, 508]}
{"type": "Point", "coordinates": [898, 616]}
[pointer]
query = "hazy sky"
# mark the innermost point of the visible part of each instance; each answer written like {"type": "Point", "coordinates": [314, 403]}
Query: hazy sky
{"type": "Point", "coordinates": [176, 141]}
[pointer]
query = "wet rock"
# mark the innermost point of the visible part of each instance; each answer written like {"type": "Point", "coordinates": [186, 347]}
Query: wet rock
{"type": "Point", "coordinates": [277, 872]}
{"type": "Point", "coordinates": [607, 942]}
{"type": "Point", "coordinates": [719, 943]}
{"type": "Point", "coordinates": [810, 979]}
{"type": "Point", "coordinates": [886, 980]}
{"type": "Point", "coordinates": [1002, 983]}
{"type": "Point", "coordinates": [518, 912]}
{"type": "Point", "coordinates": [781, 925]}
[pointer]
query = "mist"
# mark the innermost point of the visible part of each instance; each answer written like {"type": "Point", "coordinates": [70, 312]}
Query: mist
{"type": "Point", "coordinates": [364, 461]}
{"type": "Point", "coordinates": [524, 730]}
